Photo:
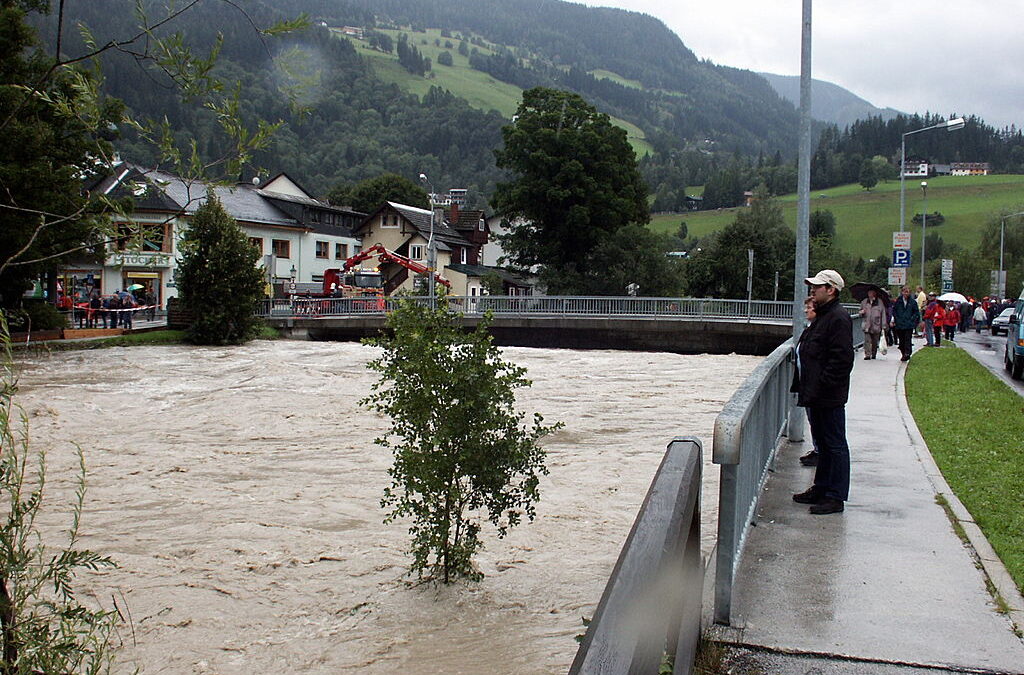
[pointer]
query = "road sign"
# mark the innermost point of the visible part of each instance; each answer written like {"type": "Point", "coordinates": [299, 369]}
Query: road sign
{"type": "Point", "coordinates": [897, 276]}
{"type": "Point", "coordinates": [901, 257]}
{"type": "Point", "coordinates": [947, 285]}
{"type": "Point", "coordinates": [901, 240]}
{"type": "Point", "coordinates": [947, 268]}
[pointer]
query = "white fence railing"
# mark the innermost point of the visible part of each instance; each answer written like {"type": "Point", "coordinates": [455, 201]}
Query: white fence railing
{"type": "Point", "coordinates": [543, 306]}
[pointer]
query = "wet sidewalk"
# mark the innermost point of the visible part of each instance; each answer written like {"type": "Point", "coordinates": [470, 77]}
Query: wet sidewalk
{"type": "Point", "coordinates": [886, 586]}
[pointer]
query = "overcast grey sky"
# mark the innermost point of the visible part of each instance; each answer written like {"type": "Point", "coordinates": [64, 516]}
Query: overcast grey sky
{"type": "Point", "coordinates": [941, 56]}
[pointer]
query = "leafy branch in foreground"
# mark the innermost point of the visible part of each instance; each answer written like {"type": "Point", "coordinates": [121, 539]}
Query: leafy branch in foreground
{"type": "Point", "coordinates": [44, 628]}
{"type": "Point", "coordinates": [461, 455]}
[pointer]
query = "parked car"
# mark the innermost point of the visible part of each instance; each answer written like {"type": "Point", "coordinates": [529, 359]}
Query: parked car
{"type": "Point", "coordinates": [1013, 356]}
{"type": "Point", "coordinates": [1000, 323]}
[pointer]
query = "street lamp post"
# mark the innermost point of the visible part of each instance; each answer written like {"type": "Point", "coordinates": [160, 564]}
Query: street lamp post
{"type": "Point", "coordinates": [1000, 284]}
{"type": "Point", "coordinates": [951, 125]}
{"type": "Point", "coordinates": [924, 224]}
{"type": "Point", "coordinates": [431, 251]}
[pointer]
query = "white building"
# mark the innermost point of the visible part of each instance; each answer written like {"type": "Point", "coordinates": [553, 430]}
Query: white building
{"type": "Point", "coordinates": [298, 236]}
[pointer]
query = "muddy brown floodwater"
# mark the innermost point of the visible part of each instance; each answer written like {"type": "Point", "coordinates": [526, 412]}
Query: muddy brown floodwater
{"type": "Point", "coordinates": [239, 489]}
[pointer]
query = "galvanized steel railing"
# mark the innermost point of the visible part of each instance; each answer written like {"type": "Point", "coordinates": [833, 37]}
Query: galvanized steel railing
{"type": "Point", "coordinates": [747, 434]}
{"type": "Point", "coordinates": [545, 306]}
{"type": "Point", "coordinates": [651, 605]}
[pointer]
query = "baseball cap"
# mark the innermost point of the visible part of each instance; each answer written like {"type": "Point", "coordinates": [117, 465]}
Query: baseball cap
{"type": "Point", "coordinates": [826, 277]}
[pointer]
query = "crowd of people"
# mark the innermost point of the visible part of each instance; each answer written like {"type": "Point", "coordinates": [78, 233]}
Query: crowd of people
{"type": "Point", "coordinates": [93, 310]}
{"type": "Point", "coordinates": [922, 316]}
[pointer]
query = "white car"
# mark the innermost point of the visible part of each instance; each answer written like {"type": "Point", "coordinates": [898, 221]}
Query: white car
{"type": "Point", "coordinates": [1001, 323]}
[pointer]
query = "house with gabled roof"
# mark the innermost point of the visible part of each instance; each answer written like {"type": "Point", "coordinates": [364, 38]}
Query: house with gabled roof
{"type": "Point", "coordinates": [406, 230]}
{"type": "Point", "coordinates": [298, 236]}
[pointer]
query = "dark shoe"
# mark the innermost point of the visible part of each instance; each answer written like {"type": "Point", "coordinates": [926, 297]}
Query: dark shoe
{"type": "Point", "coordinates": [867, 358]}
{"type": "Point", "coordinates": [826, 506]}
{"type": "Point", "coordinates": [906, 357]}
{"type": "Point", "coordinates": [810, 459]}
{"type": "Point", "coordinates": [808, 496]}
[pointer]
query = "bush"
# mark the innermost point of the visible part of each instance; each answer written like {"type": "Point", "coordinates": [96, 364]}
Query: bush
{"type": "Point", "coordinates": [38, 315]}
{"type": "Point", "coordinates": [934, 219]}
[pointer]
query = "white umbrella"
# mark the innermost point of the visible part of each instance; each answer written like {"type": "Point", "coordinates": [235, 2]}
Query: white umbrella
{"type": "Point", "coordinates": [952, 295]}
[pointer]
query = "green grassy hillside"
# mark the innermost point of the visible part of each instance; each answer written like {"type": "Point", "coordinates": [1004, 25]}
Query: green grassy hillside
{"type": "Point", "coordinates": [865, 220]}
{"type": "Point", "coordinates": [478, 88]}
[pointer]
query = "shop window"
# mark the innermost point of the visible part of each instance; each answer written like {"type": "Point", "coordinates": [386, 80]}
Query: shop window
{"type": "Point", "coordinates": [341, 251]}
{"type": "Point", "coordinates": [257, 243]}
{"type": "Point", "coordinates": [322, 249]}
{"type": "Point", "coordinates": [282, 248]}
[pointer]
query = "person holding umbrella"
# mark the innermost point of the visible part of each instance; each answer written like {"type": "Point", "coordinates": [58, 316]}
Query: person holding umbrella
{"type": "Point", "coordinates": [906, 315]}
{"type": "Point", "coordinates": [876, 315]}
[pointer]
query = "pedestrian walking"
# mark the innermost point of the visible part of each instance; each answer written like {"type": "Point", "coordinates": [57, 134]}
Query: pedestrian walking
{"type": "Point", "coordinates": [980, 318]}
{"type": "Point", "coordinates": [905, 318]}
{"type": "Point", "coordinates": [951, 321]}
{"type": "Point", "coordinates": [824, 360]}
{"type": "Point", "coordinates": [934, 318]}
{"type": "Point", "coordinates": [922, 303]}
{"type": "Point", "coordinates": [874, 322]}
{"type": "Point", "coordinates": [114, 305]}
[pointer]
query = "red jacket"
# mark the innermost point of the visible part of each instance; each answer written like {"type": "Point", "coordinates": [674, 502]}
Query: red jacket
{"type": "Point", "coordinates": [952, 318]}
{"type": "Point", "coordinates": [935, 312]}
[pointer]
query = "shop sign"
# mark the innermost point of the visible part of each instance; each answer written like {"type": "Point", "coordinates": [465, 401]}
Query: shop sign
{"type": "Point", "coordinates": [140, 260]}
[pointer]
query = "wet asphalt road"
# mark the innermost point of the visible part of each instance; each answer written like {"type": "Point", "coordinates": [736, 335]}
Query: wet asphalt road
{"type": "Point", "coordinates": [988, 350]}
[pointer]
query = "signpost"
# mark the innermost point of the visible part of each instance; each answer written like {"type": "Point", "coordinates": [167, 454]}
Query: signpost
{"type": "Point", "coordinates": [901, 257]}
{"type": "Point", "coordinates": [947, 275]}
{"type": "Point", "coordinates": [898, 276]}
{"type": "Point", "coordinates": [901, 240]}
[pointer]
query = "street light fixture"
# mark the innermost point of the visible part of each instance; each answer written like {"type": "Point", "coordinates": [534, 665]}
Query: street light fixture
{"type": "Point", "coordinates": [1000, 283]}
{"type": "Point", "coordinates": [431, 251]}
{"type": "Point", "coordinates": [924, 224]}
{"type": "Point", "coordinates": [951, 125]}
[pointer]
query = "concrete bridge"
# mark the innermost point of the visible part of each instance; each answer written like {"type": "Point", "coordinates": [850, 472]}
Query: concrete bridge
{"type": "Point", "coordinates": [680, 325]}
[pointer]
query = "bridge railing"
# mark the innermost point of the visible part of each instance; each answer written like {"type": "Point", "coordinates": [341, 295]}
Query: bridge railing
{"type": "Point", "coordinates": [651, 605]}
{"type": "Point", "coordinates": [747, 434]}
{"type": "Point", "coordinates": [544, 306]}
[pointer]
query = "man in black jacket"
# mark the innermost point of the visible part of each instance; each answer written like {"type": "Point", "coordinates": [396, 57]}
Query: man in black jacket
{"type": "Point", "coordinates": [824, 360]}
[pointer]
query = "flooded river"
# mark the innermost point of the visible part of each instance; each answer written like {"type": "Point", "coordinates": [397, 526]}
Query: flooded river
{"type": "Point", "coordinates": [239, 491]}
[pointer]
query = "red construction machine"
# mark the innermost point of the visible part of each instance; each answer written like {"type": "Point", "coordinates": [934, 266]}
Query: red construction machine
{"type": "Point", "coordinates": [348, 282]}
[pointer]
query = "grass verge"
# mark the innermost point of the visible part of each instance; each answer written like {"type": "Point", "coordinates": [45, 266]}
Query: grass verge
{"type": "Point", "coordinates": [974, 427]}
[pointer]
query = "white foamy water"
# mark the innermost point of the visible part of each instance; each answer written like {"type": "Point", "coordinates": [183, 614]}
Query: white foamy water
{"type": "Point", "coordinates": [239, 490]}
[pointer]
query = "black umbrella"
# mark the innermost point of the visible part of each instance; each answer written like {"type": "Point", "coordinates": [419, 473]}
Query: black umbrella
{"type": "Point", "coordinates": [860, 291]}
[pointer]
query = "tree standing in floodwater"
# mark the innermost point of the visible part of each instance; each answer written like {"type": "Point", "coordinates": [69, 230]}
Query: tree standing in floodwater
{"type": "Point", "coordinates": [460, 450]}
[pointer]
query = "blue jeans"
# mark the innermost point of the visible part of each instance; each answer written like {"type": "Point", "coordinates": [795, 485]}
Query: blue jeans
{"type": "Point", "coordinates": [828, 430]}
{"type": "Point", "coordinates": [929, 331]}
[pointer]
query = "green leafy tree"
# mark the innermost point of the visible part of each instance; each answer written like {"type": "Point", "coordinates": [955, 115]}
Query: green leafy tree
{"type": "Point", "coordinates": [822, 224]}
{"type": "Point", "coordinates": [461, 452]}
{"type": "Point", "coordinates": [370, 194]}
{"type": "Point", "coordinates": [868, 177]}
{"type": "Point", "coordinates": [57, 126]}
{"type": "Point", "coordinates": [574, 182]}
{"type": "Point", "coordinates": [218, 278]}
{"type": "Point", "coordinates": [633, 254]}
{"type": "Point", "coordinates": [445, 58]}
{"type": "Point", "coordinates": [719, 269]}
{"type": "Point", "coordinates": [44, 627]}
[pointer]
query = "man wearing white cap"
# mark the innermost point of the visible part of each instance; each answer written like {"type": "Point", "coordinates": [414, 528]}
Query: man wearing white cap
{"type": "Point", "coordinates": [824, 360]}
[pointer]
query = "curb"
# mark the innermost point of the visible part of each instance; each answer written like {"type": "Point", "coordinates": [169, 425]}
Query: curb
{"type": "Point", "coordinates": [993, 568]}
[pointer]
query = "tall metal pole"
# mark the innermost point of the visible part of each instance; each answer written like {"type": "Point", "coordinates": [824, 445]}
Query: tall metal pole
{"type": "Point", "coordinates": [924, 224]}
{"type": "Point", "coordinates": [903, 170]}
{"type": "Point", "coordinates": [803, 207]}
{"type": "Point", "coordinates": [431, 251]}
{"type": "Point", "coordinates": [750, 282]}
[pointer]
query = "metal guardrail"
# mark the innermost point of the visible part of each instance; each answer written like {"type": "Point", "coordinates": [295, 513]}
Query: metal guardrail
{"type": "Point", "coordinates": [544, 306]}
{"type": "Point", "coordinates": [747, 434]}
{"type": "Point", "coordinates": [651, 605]}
